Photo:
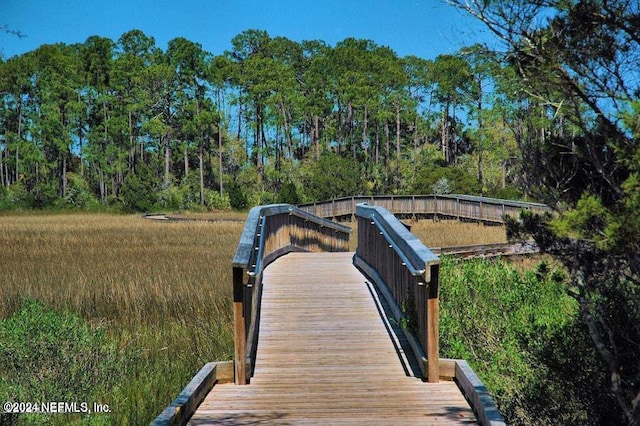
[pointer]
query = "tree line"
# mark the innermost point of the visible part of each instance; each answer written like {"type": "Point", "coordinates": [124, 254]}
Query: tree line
{"type": "Point", "coordinates": [127, 123]}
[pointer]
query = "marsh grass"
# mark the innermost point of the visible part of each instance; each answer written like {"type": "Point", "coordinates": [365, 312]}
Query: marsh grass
{"type": "Point", "coordinates": [444, 233]}
{"type": "Point", "coordinates": [160, 291]}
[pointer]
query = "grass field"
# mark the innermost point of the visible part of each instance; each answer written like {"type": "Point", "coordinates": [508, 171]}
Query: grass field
{"type": "Point", "coordinates": [153, 300]}
{"type": "Point", "coordinates": [160, 291]}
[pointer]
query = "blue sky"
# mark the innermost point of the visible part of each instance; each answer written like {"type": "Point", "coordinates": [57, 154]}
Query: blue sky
{"type": "Point", "coordinates": [423, 28]}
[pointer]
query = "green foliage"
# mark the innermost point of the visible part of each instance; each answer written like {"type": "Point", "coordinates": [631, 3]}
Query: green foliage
{"type": "Point", "coordinates": [333, 176]}
{"type": "Point", "coordinates": [288, 194]}
{"type": "Point", "coordinates": [18, 195]}
{"type": "Point", "coordinates": [5, 201]}
{"type": "Point", "coordinates": [237, 198]}
{"type": "Point", "coordinates": [448, 179]}
{"type": "Point", "coordinates": [102, 108]}
{"type": "Point", "coordinates": [190, 189]}
{"type": "Point", "coordinates": [214, 201]}
{"type": "Point", "coordinates": [78, 194]}
{"type": "Point", "coordinates": [522, 333]}
{"type": "Point", "coordinates": [44, 193]}
{"type": "Point", "coordinates": [55, 356]}
{"type": "Point", "coordinates": [170, 198]}
{"type": "Point", "coordinates": [508, 193]}
{"type": "Point", "coordinates": [139, 190]}
{"type": "Point", "coordinates": [584, 221]}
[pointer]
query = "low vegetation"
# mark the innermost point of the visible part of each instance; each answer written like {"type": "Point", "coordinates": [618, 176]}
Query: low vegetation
{"type": "Point", "coordinates": [521, 332]}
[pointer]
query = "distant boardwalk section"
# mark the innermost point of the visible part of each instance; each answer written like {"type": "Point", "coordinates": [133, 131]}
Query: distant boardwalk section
{"type": "Point", "coordinates": [464, 207]}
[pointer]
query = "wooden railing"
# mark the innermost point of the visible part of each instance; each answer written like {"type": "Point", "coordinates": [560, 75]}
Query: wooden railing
{"type": "Point", "coordinates": [270, 232]}
{"type": "Point", "coordinates": [490, 210]}
{"type": "Point", "coordinates": [407, 273]}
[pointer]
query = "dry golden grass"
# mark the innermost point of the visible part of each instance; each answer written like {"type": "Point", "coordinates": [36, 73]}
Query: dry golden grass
{"type": "Point", "coordinates": [162, 289]}
{"type": "Point", "coordinates": [444, 233]}
{"type": "Point", "coordinates": [119, 268]}
{"type": "Point", "coordinates": [161, 286]}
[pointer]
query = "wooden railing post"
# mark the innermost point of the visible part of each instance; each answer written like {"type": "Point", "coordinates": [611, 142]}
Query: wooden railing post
{"type": "Point", "coordinates": [240, 340]}
{"type": "Point", "coordinates": [433, 331]}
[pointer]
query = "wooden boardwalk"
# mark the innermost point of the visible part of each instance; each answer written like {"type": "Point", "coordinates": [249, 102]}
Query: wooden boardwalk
{"type": "Point", "coordinates": [326, 355]}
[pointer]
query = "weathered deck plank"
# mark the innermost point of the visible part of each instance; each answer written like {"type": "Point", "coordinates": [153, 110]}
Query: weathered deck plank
{"type": "Point", "coordinates": [325, 356]}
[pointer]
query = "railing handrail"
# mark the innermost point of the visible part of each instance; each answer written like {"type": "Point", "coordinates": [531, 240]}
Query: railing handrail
{"type": "Point", "coordinates": [475, 198]}
{"type": "Point", "coordinates": [415, 254]}
{"type": "Point", "coordinates": [246, 246]}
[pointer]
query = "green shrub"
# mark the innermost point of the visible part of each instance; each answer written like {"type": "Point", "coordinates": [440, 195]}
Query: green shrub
{"type": "Point", "coordinates": [18, 195]}
{"type": "Point", "coordinates": [288, 194]}
{"type": "Point", "coordinates": [333, 176]}
{"type": "Point", "coordinates": [458, 181]}
{"type": "Point", "coordinates": [170, 198]}
{"type": "Point", "coordinates": [78, 193]}
{"type": "Point", "coordinates": [237, 198]}
{"type": "Point", "coordinates": [190, 189]}
{"type": "Point", "coordinates": [55, 356]}
{"type": "Point", "coordinates": [139, 191]}
{"type": "Point", "coordinates": [522, 334]}
{"type": "Point", "coordinates": [214, 201]}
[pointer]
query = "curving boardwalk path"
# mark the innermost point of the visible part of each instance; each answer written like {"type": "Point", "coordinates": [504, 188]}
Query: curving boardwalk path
{"type": "Point", "coordinates": [327, 356]}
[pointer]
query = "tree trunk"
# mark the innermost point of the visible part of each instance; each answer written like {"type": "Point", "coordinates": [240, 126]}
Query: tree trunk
{"type": "Point", "coordinates": [167, 160]}
{"type": "Point", "coordinates": [398, 140]}
{"type": "Point", "coordinates": [201, 161]}
{"type": "Point", "coordinates": [186, 159]}
{"type": "Point", "coordinates": [480, 137]}
{"type": "Point", "coordinates": [444, 133]}
{"type": "Point", "coordinates": [64, 175]}
{"type": "Point", "coordinates": [132, 145]}
{"type": "Point", "coordinates": [258, 136]}
{"type": "Point", "coordinates": [415, 150]}
{"type": "Point", "coordinates": [220, 158]}
{"type": "Point", "coordinates": [19, 138]}
{"type": "Point", "coordinates": [378, 145]}
{"type": "Point", "coordinates": [2, 167]}
{"type": "Point", "coordinates": [287, 131]}
{"type": "Point", "coordinates": [387, 144]}
{"type": "Point", "coordinates": [103, 189]}
{"type": "Point", "coordinates": [316, 135]}
{"type": "Point", "coordinates": [17, 164]}
{"type": "Point", "coordinates": [364, 128]}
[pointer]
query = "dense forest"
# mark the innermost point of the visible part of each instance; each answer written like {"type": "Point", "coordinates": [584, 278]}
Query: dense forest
{"type": "Point", "coordinates": [125, 123]}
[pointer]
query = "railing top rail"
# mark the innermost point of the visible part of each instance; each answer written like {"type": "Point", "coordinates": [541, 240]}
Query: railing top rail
{"type": "Point", "coordinates": [475, 198]}
{"type": "Point", "coordinates": [415, 254]}
{"type": "Point", "coordinates": [245, 249]}
{"type": "Point", "coordinates": [489, 200]}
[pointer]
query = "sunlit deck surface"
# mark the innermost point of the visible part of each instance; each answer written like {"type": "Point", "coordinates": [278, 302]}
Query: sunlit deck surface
{"type": "Point", "coordinates": [326, 355]}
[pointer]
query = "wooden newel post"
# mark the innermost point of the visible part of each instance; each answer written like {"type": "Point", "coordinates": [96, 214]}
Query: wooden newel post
{"type": "Point", "coordinates": [238, 327]}
{"type": "Point", "coordinates": [433, 339]}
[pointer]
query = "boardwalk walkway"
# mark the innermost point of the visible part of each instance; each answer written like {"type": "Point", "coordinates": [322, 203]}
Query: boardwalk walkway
{"type": "Point", "coordinates": [327, 356]}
